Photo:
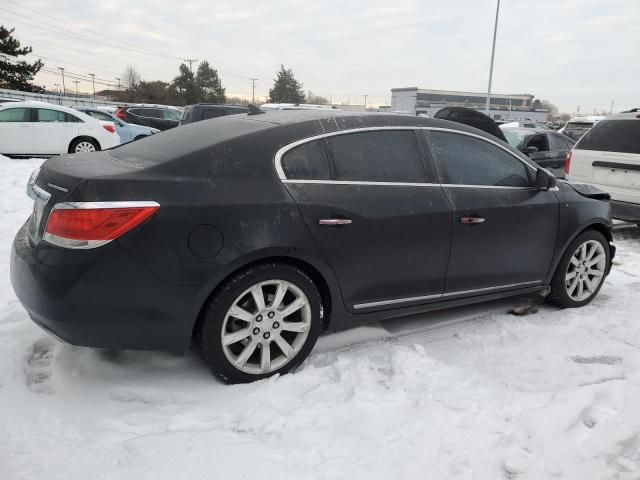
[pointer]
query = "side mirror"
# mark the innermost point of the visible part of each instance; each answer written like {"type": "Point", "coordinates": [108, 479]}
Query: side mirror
{"type": "Point", "coordinates": [544, 179]}
{"type": "Point", "coordinates": [531, 149]}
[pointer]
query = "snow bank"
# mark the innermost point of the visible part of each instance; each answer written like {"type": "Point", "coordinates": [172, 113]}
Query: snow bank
{"type": "Point", "coordinates": [472, 393]}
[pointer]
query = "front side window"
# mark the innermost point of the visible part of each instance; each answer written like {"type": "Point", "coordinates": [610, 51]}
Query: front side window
{"type": "Point", "coordinates": [169, 114]}
{"type": "Point", "coordinates": [309, 161]}
{"type": "Point", "coordinates": [47, 115]}
{"type": "Point", "coordinates": [612, 136]}
{"type": "Point", "coordinates": [15, 115]}
{"type": "Point", "coordinates": [377, 156]}
{"type": "Point", "coordinates": [464, 160]}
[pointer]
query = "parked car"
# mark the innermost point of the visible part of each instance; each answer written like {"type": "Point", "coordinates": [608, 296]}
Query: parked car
{"type": "Point", "coordinates": [576, 127]}
{"type": "Point", "coordinates": [522, 124]}
{"type": "Point", "coordinates": [204, 111]}
{"type": "Point", "coordinates": [471, 117]}
{"type": "Point", "coordinates": [545, 147]}
{"type": "Point", "coordinates": [608, 156]}
{"type": "Point", "coordinates": [29, 128]}
{"type": "Point", "coordinates": [9, 100]}
{"type": "Point", "coordinates": [284, 224]}
{"type": "Point", "coordinates": [162, 118]}
{"type": "Point", "coordinates": [127, 132]}
{"type": "Point", "coordinates": [295, 106]}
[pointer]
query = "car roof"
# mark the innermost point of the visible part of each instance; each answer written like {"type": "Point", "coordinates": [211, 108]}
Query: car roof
{"type": "Point", "coordinates": [625, 116]}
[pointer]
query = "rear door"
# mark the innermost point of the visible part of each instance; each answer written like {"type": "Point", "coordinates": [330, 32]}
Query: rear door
{"type": "Point", "coordinates": [504, 229]}
{"type": "Point", "coordinates": [609, 156]}
{"type": "Point", "coordinates": [53, 131]}
{"type": "Point", "coordinates": [16, 131]}
{"type": "Point", "coordinates": [380, 218]}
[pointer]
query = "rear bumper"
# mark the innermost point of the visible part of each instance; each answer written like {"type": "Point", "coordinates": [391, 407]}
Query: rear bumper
{"type": "Point", "coordinates": [99, 298]}
{"type": "Point", "coordinates": [625, 211]}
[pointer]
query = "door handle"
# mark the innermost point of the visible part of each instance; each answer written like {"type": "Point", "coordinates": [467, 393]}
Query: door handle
{"type": "Point", "coordinates": [334, 221]}
{"type": "Point", "coordinates": [471, 220]}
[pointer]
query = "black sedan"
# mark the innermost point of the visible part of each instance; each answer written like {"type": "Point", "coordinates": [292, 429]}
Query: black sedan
{"type": "Point", "coordinates": [545, 147]}
{"type": "Point", "coordinates": [253, 233]}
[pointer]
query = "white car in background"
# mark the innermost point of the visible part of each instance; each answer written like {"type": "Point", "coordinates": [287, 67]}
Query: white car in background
{"type": "Point", "coordinates": [608, 157]}
{"type": "Point", "coordinates": [28, 128]}
{"type": "Point", "coordinates": [576, 127]}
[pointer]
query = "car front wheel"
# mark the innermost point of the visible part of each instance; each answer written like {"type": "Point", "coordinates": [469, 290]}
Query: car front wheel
{"type": "Point", "coordinates": [582, 270]}
{"type": "Point", "coordinates": [263, 321]}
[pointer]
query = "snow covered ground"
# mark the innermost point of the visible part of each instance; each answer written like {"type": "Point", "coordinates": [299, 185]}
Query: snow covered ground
{"type": "Point", "coordinates": [472, 393]}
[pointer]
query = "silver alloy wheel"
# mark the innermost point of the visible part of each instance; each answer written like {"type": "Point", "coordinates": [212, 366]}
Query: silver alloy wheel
{"type": "Point", "coordinates": [266, 327]}
{"type": "Point", "coordinates": [586, 270]}
{"type": "Point", "coordinates": [85, 146]}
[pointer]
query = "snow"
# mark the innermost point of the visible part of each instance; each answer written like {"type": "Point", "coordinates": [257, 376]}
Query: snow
{"type": "Point", "coordinates": [471, 393]}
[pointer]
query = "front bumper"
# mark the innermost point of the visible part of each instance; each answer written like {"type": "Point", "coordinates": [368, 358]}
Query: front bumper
{"type": "Point", "coordinates": [99, 298]}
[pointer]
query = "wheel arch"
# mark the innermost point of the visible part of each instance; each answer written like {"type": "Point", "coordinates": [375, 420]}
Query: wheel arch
{"type": "Point", "coordinates": [598, 225]}
{"type": "Point", "coordinates": [329, 292]}
{"type": "Point", "coordinates": [83, 137]}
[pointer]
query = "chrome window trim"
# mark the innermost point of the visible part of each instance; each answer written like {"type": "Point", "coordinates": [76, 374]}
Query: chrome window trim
{"type": "Point", "coordinates": [394, 301]}
{"type": "Point", "coordinates": [283, 150]}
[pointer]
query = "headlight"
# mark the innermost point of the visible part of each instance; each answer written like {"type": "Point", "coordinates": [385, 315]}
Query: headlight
{"type": "Point", "coordinates": [31, 182]}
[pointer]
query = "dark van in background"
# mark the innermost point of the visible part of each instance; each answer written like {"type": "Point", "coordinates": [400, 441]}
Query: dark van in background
{"type": "Point", "coordinates": [204, 111]}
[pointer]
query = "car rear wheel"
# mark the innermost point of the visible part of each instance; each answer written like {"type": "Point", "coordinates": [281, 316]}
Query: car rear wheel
{"type": "Point", "coordinates": [80, 145]}
{"type": "Point", "coordinates": [263, 321]}
{"type": "Point", "coordinates": [582, 270]}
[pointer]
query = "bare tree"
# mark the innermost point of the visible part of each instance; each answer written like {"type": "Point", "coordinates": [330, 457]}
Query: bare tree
{"type": "Point", "coordinates": [131, 81]}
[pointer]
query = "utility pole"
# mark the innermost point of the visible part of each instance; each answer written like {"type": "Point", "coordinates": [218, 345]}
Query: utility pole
{"type": "Point", "coordinates": [365, 102]}
{"type": "Point", "coordinates": [493, 53]}
{"type": "Point", "coordinates": [64, 89]}
{"type": "Point", "coordinates": [611, 109]}
{"type": "Point", "coordinates": [118, 82]}
{"type": "Point", "coordinates": [77, 82]}
{"type": "Point", "coordinates": [93, 83]}
{"type": "Point", "coordinates": [57, 85]}
{"type": "Point", "coordinates": [253, 89]}
{"type": "Point", "coordinates": [190, 61]}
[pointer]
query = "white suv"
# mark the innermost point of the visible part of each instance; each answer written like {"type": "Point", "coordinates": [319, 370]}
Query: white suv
{"type": "Point", "coordinates": [608, 156]}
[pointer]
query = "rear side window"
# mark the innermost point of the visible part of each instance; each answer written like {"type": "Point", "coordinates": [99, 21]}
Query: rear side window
{"type": "Point", "coordinates": [15, 115]}
{"type": "Point", "coordinates": [100, 116]}
{"type": "Point", "coordinates": [309, 161]}
{"type": "Point", "coordinates": [465, 160]}
{"type": "Point", "coordinates": [378, 156]}
{"type": "Point", "coordinates": [46, 115]}
{"type": "Point", "coordinates": [612, 136]}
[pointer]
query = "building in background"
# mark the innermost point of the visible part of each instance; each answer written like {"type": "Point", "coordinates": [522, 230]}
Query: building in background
{"type": "Point", "coordinates": [419, 101]}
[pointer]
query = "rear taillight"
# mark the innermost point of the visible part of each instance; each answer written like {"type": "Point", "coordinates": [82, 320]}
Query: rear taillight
{"type": "Point", "coordinates": [92, 224]}
{"type": "Point", "coordinates": [567, 163]}
{"type": "Point", "coordinates": [109, 128]}
{"type": "Point", "coordinates": [120, 114]}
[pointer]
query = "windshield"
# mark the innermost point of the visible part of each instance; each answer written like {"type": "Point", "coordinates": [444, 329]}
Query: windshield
{"type": "Point", "coordinates": [516, 138]}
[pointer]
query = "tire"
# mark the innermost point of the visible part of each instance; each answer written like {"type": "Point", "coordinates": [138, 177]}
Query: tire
{"type": "Point", "coordinates": [573, 282]}
{"type": "Point", "coordinates": [285, 339]}
{"type": "Point", "coordinates": [84, 144]}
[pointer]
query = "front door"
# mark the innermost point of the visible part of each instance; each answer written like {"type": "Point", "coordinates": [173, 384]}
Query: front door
{"type": "Point", "coordinates": [385, 231]}
{"type": "Point", "coordinates": [16, 131]}
{"type": "Point", "coordinates": [504, 233]}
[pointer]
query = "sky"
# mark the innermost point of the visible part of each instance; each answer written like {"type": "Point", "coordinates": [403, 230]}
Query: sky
{"type": "Point", "coordinates": [574, 53]}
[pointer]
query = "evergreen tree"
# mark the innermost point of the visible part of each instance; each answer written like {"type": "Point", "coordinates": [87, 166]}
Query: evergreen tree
{"type": "Point", "coordinates": [14, 74]}
{"type": "Point", "coordinates": [209, 84]}
{"type": "Point", "coordinates": [286, 89]}
{"type": "Point", "coordinates": [185, 85]}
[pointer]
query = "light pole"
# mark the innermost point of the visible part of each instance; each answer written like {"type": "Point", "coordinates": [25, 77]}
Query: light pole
{"type": "Point", "coordinates": [64, 89]}
{"type": "Point", "coordinates": [253, 89]}
{"type": "Point", "coordinates": [57, 85]}
{"type": "Point", "coordinates": [365, 102]}
{"type": "Point", "coordinates": [93, 83]}
{"type": "Point", "coordinates": [77, 82]}
{"type": "Point", "coordinates": [493, 53]}
{"type": "Point", "coordinates": [118, 82]}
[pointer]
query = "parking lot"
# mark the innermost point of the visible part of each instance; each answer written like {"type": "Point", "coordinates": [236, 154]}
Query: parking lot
{"type": "Point", "coordinates": [473, 392]}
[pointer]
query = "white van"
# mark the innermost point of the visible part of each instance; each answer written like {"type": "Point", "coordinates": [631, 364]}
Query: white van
{"type": "Point", "coordinates": [608, 156]}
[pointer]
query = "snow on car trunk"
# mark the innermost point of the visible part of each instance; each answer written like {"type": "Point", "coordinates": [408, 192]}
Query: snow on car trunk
{"type": "Point", "coordinates": [469, 393]}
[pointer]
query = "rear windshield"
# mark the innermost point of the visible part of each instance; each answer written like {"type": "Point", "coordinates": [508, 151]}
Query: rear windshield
{"type": "Point", "coordinates": [516, 137]}
{"type": "Point", "coordinates": [612, 136]}
{"type": "Point", "coordinates": [184, 140]}
{"type": "Point", "coordinates": [578, 126]}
